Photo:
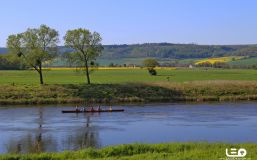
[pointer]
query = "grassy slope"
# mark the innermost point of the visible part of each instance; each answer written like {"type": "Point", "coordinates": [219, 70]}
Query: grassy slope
{"type": "Point", "coordinates": [128, 92]}
{"type": "Point", "coordinates": [174, 151]}
{"type": "Point", "coordinates": [125, 76]}
{"type": "Point", "coordinates": [129, 85]}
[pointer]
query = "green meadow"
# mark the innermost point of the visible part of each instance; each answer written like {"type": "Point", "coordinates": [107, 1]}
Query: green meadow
{"type": "Point", "coordinates": [125, 76]}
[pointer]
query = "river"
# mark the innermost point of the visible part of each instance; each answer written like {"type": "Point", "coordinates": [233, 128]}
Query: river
{"type": "Point", "coordinates": [33, 129]}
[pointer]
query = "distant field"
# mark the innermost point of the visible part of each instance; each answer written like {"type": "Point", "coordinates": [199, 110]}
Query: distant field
{"type": "Point", "coordinates": [245, 61]}
{"type": "Point", "coordinates": [126, 75]}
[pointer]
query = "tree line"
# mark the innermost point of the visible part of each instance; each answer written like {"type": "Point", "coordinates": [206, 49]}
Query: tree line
{"type": "Point", "coordinates": [225, 65]}
{"type": "Point", "coordinates": [38, 45]}
{"type": "Point", "coordinates": [177, 51]}
{"type": "Point", "coordinates": [168, 50]}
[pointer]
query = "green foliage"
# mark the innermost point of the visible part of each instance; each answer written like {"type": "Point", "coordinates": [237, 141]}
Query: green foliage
{"type": "Point", "coordinates": [150, 63]}
{"type": "Point", "coordinates": [87, 48]}
{"type": "Point", "coordinates": [34, 46]}
{"type": "Point", "coordinates": [169, 151]}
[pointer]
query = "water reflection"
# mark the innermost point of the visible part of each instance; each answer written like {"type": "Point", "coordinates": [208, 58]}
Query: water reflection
{"type": "Point", "coordinates": [41, 141]}
{"type": "Point", "coordinates": [85, 137]}
{"type": "Point", "coordinates": [46, 129]}
{"type": "Point", "coordinates": [31, 143]}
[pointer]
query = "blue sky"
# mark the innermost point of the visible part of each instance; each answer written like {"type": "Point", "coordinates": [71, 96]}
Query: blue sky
{"type": "Point", "coordinates": [138, 21]}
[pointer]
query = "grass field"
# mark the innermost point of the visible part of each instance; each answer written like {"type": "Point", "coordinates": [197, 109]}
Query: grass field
{"type": "Point", "coordinates": [126, 75]}
{"type": "Point", "coordinates": [172, 151]}
{"type": "Point", "coordinates": [128, 92]}
{"type": "Point", "coordinates": [245, 61]}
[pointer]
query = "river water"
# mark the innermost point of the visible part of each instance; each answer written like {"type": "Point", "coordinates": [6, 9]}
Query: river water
{"type": "Point", "coordinates": [45, 129]}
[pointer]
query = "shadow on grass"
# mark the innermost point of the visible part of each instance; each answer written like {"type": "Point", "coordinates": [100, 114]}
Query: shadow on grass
{"type": "Point", "coordinates": [129, 92]}
{"type": "Point", "coordinates": [165, 75]}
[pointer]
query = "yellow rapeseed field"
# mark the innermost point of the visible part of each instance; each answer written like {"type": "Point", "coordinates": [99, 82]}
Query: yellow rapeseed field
{"type": "Point", "coordinates": [220, 59]}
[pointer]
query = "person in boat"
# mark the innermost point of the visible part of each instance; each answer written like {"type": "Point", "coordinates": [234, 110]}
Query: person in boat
{"type": "Point", "coordinates": [99, 108]}
{"type": "Point", "coordinates": [77, 109]}
{"type": "Point", "coordinates": [110, 108]}
{"type": "Point", "coordinates": [92, 109]}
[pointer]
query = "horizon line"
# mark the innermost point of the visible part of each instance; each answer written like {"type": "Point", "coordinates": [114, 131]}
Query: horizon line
{"type": "Point", "coordinates": [192, 43]}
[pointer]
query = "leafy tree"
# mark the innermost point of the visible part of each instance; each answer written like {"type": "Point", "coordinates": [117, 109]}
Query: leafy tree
{"type": "Point", "coordinates": [150, 64]}
{"type": "Point", "coordinates": [87, 48]}
{"type": "Point", "coordinates": [35, 46]}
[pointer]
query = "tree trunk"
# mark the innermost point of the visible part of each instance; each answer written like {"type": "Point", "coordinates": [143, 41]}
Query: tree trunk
{"type": "Point", "coordinates": [40, 74]}
{"type": "Point", "coordinates": [41, 77]}
{"type": "Point", "coordinates": [87, 72]}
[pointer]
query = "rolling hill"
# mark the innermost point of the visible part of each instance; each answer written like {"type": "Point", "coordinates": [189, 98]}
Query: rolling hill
{"type": "Point", "coordinates": [169, 50]}
{"type": "Point", "coordinates": [165, 53]}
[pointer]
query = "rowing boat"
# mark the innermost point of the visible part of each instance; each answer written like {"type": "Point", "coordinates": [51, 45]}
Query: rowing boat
{"type": "Point", "coordinates": [92, 111]}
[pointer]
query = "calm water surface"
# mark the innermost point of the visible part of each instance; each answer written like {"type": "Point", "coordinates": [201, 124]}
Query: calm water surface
{"type": "Point", "coordinates": [45, 128]}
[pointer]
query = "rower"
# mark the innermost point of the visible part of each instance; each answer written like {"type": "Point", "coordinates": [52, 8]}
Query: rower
{"type": "Point", "coordinates": [92, 109]}
{"type": "Point", "coordinates": [99, 108]}
{"type": "Point", "coordinates": [77, 108]}
{"type": "Point", "coordinates": [110, 108]}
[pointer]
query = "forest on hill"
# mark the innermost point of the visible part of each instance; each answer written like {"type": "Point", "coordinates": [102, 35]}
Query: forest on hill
{"type": "Point", "coordinates": [166, 53]}
{"type": "Point", "coordinates": [169, 50]}
{"type": "Point", "coordinates": [177, 51]}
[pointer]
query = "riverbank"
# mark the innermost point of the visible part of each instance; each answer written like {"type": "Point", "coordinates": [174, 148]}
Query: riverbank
{"type": "Point", "coordinates": [174, 151]}
{"type": "Point", "coordinates": [128, 92]}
